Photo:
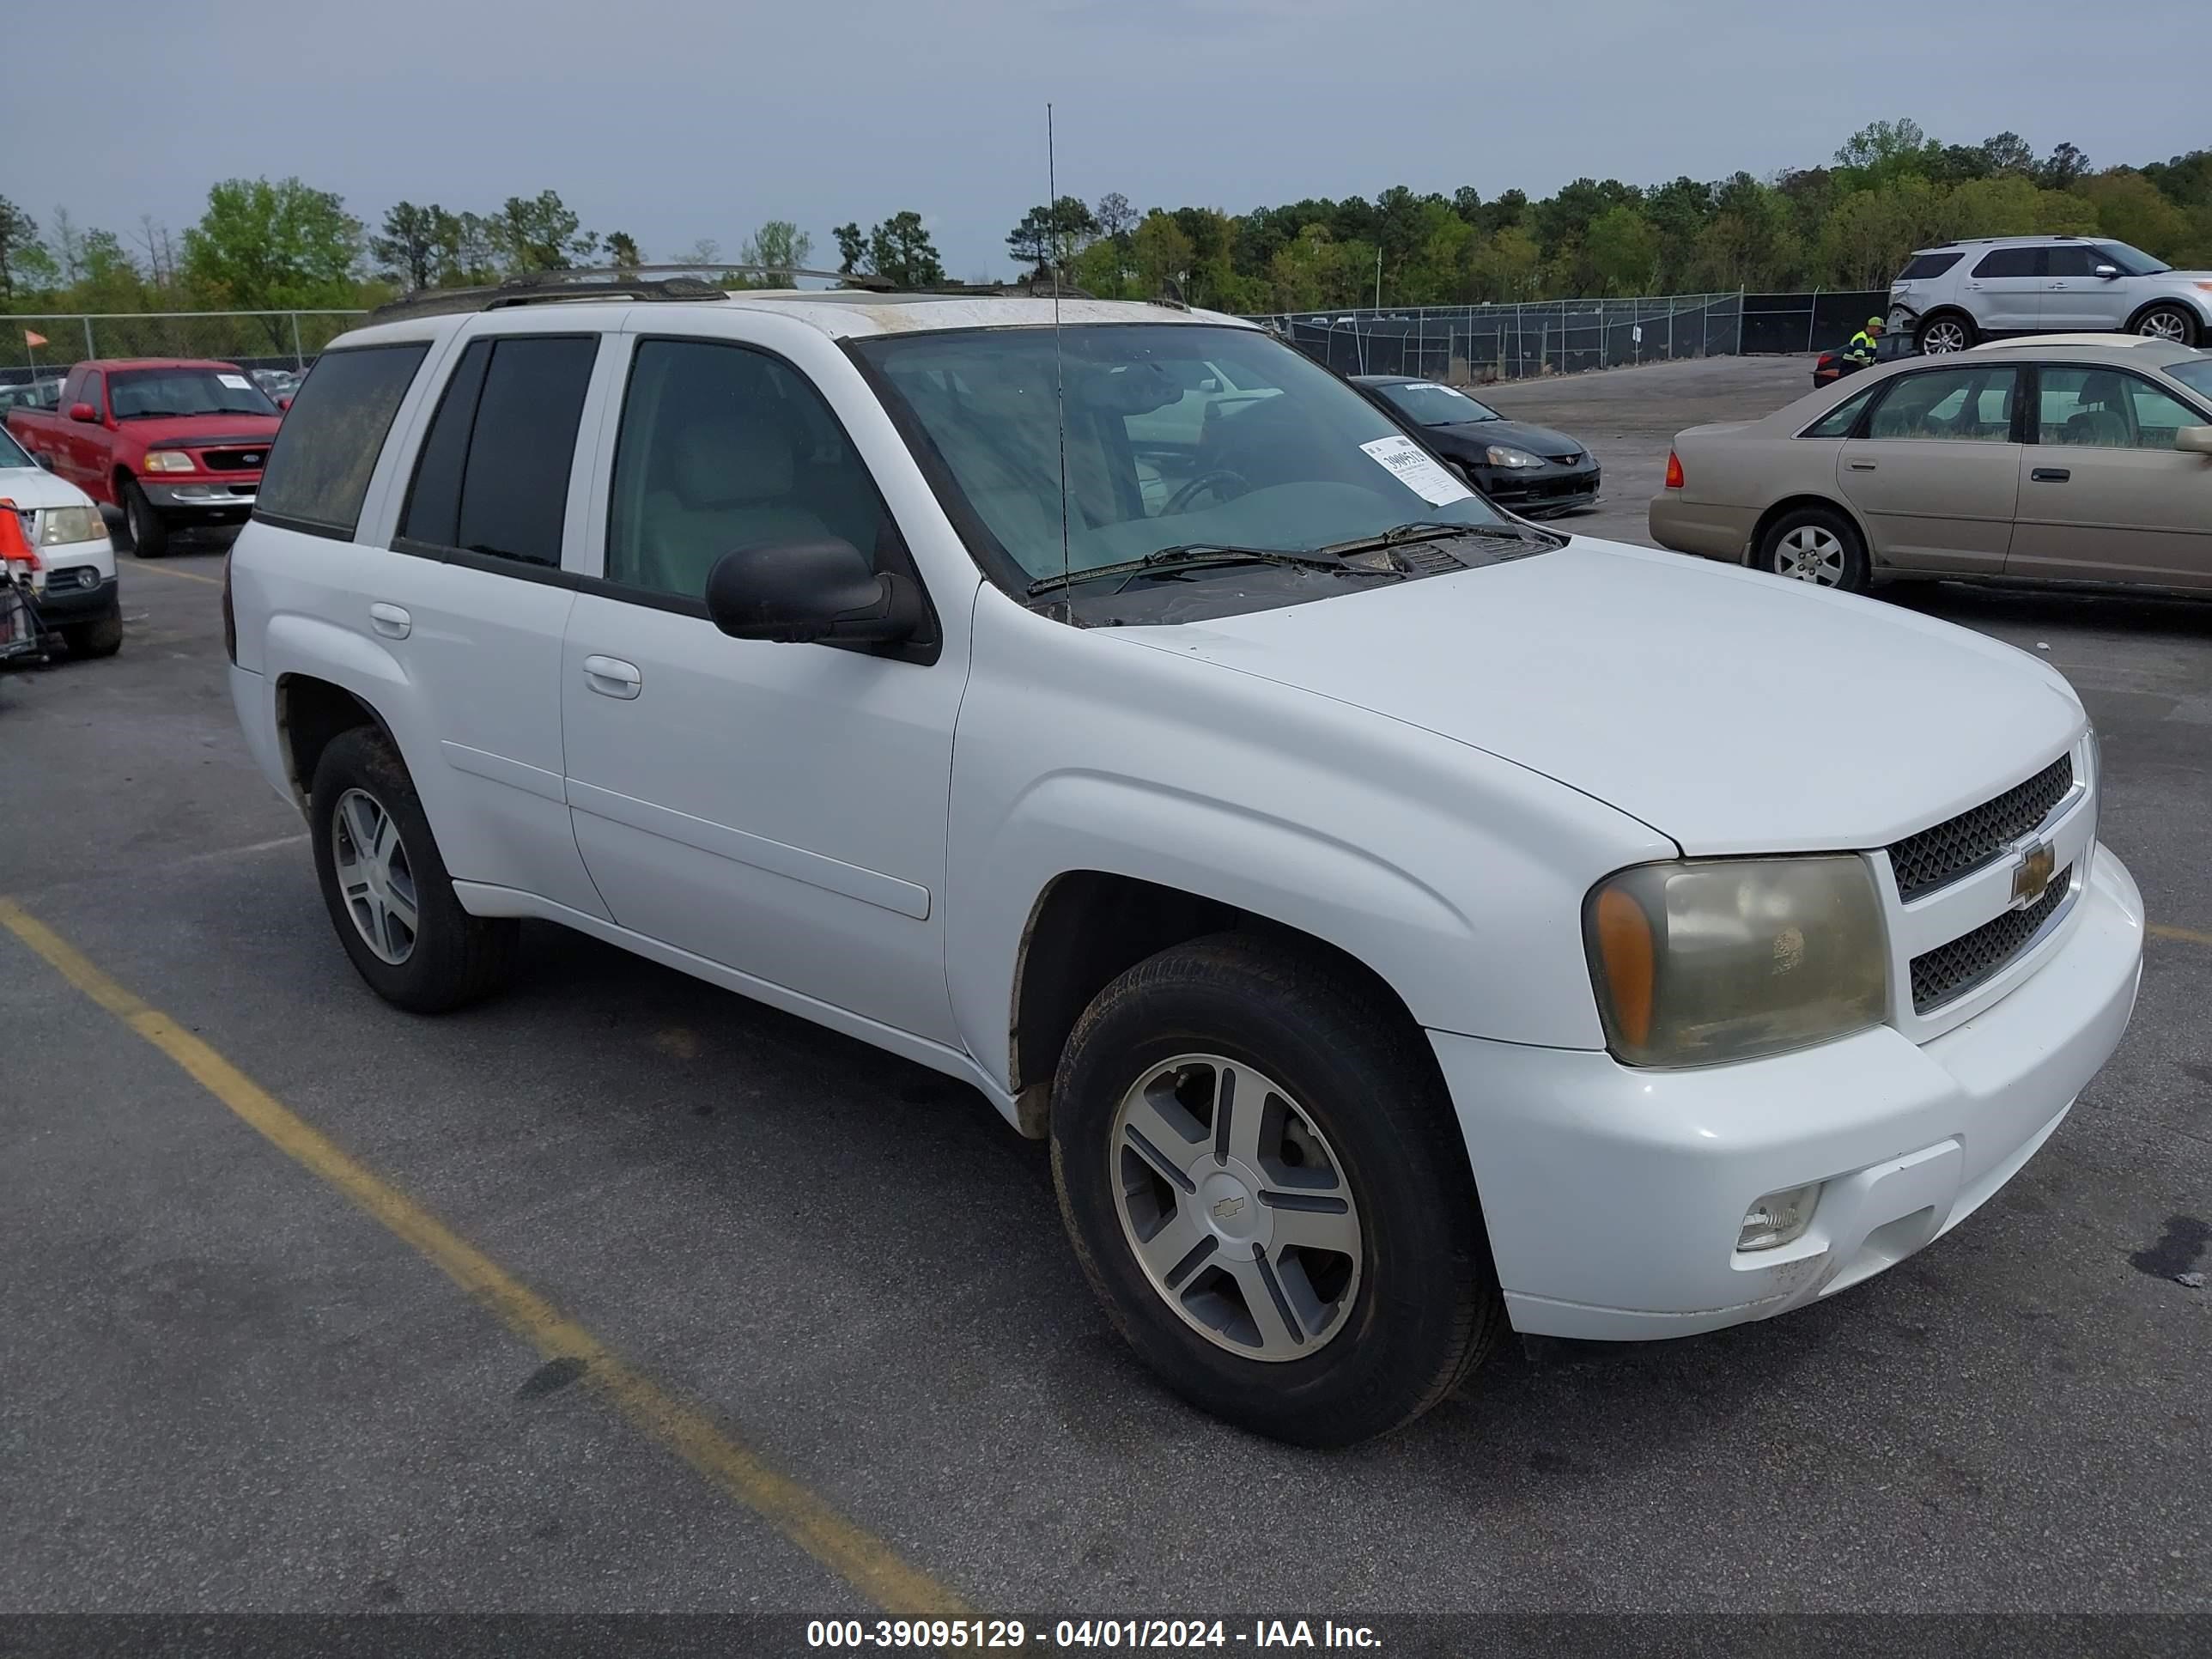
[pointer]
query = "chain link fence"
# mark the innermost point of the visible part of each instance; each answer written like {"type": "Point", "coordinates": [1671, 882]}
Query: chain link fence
{"type": "Point", "coordinates": [251, 339]}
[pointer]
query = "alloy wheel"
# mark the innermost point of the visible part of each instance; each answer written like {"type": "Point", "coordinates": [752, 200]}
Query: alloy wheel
{"type": "Point", "coordinates": [1236, 1207]}
{"type": "Point", "coordinates": [2165, 323]}
{"type": "Point", "coordinates": [373, 876]}
{"type": "Point", "coordinates": [1810, 554]}
{"type": "Point", "coordinates": [1942, 336]}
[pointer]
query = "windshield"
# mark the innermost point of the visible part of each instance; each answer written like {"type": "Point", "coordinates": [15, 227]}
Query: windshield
{"type": "Point", "coordinates": [11, 453]}
{"type": "Point", "coordinates": [1177, 434]}
{"type": "Point", "coordinates": [1427, 404]}
{"type": "Point", "coordinates": [139, 393]}
{"type": "Point", "coordinates": [2195, 375]}
{"type": "Point", "coordinates": [2132, 260]}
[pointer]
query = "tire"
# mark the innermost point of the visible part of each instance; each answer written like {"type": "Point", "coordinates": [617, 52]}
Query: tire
{"type": "Point", "coordinates": [2176, 323]}
{"type": "Point", "coordinates": [1944, 332]}
{"type": "Point", "coordinates": [449, 958]}
{"type": "Point", "coordinates": [1816, 545]}
{"type": "Point", "coordinates": [148, 533]}
{"type": "Point", "coordinates": [1397, 1323]}
{"type": "Point", "coordinates": [100, 637]}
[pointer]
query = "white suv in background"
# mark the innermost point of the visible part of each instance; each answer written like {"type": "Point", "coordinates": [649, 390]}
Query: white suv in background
{"type": "Point", "coordinates": [1958, 293]}
{"type": "Point", "coordinates": [1404, 922]}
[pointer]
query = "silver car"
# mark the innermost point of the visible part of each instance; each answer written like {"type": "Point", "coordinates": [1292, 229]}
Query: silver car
{"type": "Point", "coordinates": [2079, 457]}
{"type": "Point", "coordinates": [1956, 294]}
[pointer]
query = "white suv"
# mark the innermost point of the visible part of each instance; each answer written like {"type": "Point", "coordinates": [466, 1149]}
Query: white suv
{"type": "Point", "coordinates": [1405, 922]}
{"type": "Point", "coordinates": [1953, 295]}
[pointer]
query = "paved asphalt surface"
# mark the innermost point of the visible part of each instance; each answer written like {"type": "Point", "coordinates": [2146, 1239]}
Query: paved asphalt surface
{"type": "Point", "coordinates": [225, 1385]}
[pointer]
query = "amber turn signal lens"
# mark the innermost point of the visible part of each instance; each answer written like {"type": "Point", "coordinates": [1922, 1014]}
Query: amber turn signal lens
{"type": "Point", "coordinates": [1624, 940]}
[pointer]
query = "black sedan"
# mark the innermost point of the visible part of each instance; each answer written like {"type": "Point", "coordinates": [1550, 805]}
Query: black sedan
{"type": "Point", "coordinates": [1529, 470]}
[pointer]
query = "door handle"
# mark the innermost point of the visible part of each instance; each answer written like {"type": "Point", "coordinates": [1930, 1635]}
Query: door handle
{"type": "Point", "coordinates": [1864, 466]}
{"type": "Point", "coordinates": [610, 677]}
{"type": "Point", "coordinates": [390, 621]}
{"type": "Point", "coordinates": [2050, 474]}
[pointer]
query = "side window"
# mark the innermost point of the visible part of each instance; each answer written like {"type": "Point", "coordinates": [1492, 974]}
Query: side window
{"type": "Point", "coordinates": [1953, 405]}
{"type": "Point", "coordinates": [492, 476]}
{"type": "Point", "coordinates": [2072, 262]}
{"type": "Point", "coordinates": [93, 391]}
{"type": "Point", "coordinates": [2104, 409]}
{"type": "Point", "coordinates": [2011, 262]}
{"type": "Point", "coordinates": [722, 446]}
{"type": "Point", "coordinates": [1838, 421]}
{"type": "Point", "coordinates": [1922, 266]}
{"type": "Point", "coordinates": [320, 466]}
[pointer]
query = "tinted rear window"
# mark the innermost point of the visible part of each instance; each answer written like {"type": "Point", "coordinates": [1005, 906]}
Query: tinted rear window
{"type": "Point", "coordinates": [320, 466]}
{"type": "Point", "coordinates": [1921, 266]}
{"type": "Point", "coordinates": [2010, 262]}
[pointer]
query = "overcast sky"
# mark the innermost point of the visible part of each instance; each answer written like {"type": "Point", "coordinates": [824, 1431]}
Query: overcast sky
{"type": "Point", "coordinates": [675, 119]}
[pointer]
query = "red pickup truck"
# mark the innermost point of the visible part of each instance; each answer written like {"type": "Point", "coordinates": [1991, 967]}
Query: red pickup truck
{"type": "Point", "coordinates": [168, 442]}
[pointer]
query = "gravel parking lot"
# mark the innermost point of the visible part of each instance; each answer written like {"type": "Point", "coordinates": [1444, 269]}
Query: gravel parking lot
{"type": "Point", "coordinates": [622, 1292]}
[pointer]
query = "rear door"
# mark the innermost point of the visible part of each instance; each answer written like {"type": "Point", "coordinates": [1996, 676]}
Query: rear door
{"type": "Point", "coordinates": [2004, 290]}
{"type": "Point", "coordinates": [472, 600]}
{"type": "Point", "coordinates": [1936, 476]}
{"type": "Point", "coordinates": [2104, 495]}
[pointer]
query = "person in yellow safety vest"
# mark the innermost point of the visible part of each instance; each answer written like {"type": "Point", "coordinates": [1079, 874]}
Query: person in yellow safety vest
{"type": "Point", "coordinates": [1860, 352]}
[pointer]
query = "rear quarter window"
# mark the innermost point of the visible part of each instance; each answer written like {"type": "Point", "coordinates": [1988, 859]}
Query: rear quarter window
{"type": "Point", "coordinates": [320, 466]}
{"type": "Point", "coordinates": [1921, 266]}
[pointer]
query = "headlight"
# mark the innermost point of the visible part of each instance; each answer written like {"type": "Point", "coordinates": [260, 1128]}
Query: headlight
{"type": "Point", "coordinates": [168, 460]}
{"type": "Point", "coordinates": [1506, 455]}
{"type": "Point", "coordinates": [1713, 960]}
{"type": "Point", "coordinates": [58, 525]}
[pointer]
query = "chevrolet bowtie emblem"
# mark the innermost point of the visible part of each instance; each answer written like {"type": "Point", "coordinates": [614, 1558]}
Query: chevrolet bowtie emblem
{"type": "Point", "coordinates": [1228, 1209]}
{"type": "Point", "coordinates": [2033, 874]}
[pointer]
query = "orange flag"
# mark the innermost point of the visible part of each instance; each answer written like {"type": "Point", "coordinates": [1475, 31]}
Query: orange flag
{"type": "Point", "coordinates": [31, 339]}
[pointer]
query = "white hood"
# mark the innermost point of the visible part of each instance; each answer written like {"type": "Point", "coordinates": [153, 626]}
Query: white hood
{"type": "Point", "coordinates": [34, 486]}
{"type": "Point", "coordinates": [1733, 711]}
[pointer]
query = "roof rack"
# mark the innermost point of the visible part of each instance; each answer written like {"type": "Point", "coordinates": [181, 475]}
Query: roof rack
{"type": "Point", "coordinates": [598, 283]}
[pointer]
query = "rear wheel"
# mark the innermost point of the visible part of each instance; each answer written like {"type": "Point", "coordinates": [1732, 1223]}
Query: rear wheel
{"type": "Point", "coordinates": [2169, 322]}
{"type": "Point", "coordinates": [101, 637]}
{"type": "Point", "coordinates": [1268, 1188]}
{"type": "Point", "coordinates": [1945, 333]}
{"type": "Point", "coordinates": [149, 535]}
{"type": "Point", "coordinates": [386, 888]}
{"type": "Point", "coordinates": [1816, 545]}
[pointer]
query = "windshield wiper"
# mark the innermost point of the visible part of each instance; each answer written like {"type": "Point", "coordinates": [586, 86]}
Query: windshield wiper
{"type": "Point", "coordinates": [1398, 535]}
{"type": "Point", "coordinates": [1192, 554]}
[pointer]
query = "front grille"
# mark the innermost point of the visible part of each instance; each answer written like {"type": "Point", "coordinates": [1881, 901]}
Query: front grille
{"type": "Point", "coordinates": [233, 460]}
{"type": "Point", "coordinates": [1567, 460]}
{"type": "Point", "coordinates": [1935, 858]}
{"type": "Point", "coordinates": [1951, 970]}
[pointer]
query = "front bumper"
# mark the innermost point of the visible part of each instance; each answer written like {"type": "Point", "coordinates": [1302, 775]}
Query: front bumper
{"type": "Point", "coordinates": [66, 599]}
{"type": "Point", "coordinates": [1613, 1196]}
{"type": "Point", "coordinates": [1537, 491]}
{"type": "Point", "coordinates": [232, 497]}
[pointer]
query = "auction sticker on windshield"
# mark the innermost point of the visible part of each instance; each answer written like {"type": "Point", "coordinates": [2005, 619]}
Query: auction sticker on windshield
{"type": "Point", "coordinates": [236, 382]}
{"type": "Point", "coordinates": [1417, 471]}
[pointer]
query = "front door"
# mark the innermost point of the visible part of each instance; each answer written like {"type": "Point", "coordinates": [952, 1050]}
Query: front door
{"type": "Point", "coordinates": [2104, 495]}
{"type": "Point", "coordinates": [778, 809]}
{"type": "Point", "coordinates": [2004, 290]}
{"type": "Point", "coordinates": [2076, 299]}
{"type": "Point", "coordinates": [1936, 476]}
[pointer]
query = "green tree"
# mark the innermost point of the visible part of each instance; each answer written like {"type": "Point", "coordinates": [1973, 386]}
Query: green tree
{"type": "Point", "coordinates": [19, 233]}
{"type": "Point", "coordinates": [1117, 218]}
{"type": "Point", "coordinates": [852, 249]}
{"type": "Point", "coordinates": [406, 249]}
{"type": "Point", "coordinates": [621, 251]}
{"type": "Point", "coordinates": [2066, 164]}
{"type": "Point", "coordinates": [1507, 265]}
{"type": "Point", "coordinates": [1162, 253]}
{"type": "Point", "coordinates": [779, 244]}
{"type": "Point", "coordinates": [2130, 207]}
{"type": "Point", "coordinates": [1623, 250]}
{"type": "Point", "coordinates": [264, 246]}
{"type": "Point", "coordinates": [900, 249]}
{"type": "Point", "coordinates": [2008, 152]}
{"type": "Point", "coordinates": [539, 232]}
{"type": "Point", "coordinates": [467, 254]}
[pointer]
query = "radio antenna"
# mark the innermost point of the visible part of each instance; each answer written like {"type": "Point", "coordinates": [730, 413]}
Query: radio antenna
{"type": "Point", "coordinates": [1059, 388]}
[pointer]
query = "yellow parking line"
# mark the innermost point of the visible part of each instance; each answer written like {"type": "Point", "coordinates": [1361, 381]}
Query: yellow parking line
{"type": "Point", "coordinates": [2186, 935]}
{"type": "Point", "coordinates": [863, 1560]}
{"type": "Point", "coordinates": [181, 575]}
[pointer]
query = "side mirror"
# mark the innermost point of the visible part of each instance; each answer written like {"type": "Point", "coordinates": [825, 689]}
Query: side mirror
{"type": "Point", "coordinates": [2108, 271]}
{"type": "Point", "coordinates": [283, 404]}
{"type": "Point", "coordinates": [45, 460]}
{"type": "Point", "coordinates": [798, 593]}
{"type": "Point", "coordinates": [84, 412]}
{"type": "Point", "coordinates": [2194, 440]}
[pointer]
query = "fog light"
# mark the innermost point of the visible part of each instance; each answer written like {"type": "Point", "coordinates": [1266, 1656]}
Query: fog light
{"type": "Point", "coordinates": [1778, 1217]}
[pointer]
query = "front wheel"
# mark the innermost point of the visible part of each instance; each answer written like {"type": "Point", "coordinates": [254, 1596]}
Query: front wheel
{"type": "Point", "coordinates": [386, 888]}
{"type": "Point", "coordinates": [1941, 335]}
{"type": "Point", "coordinates": [1266, 1188]}
{"type": "Point", "coordinates": [148, 533]}
{"type": "Point", "coordinates": [2177, 324]}
{"type": "Point", "coordinates": [101, 637]}
{"type": "Point", "coordinates": [1817, 545]}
